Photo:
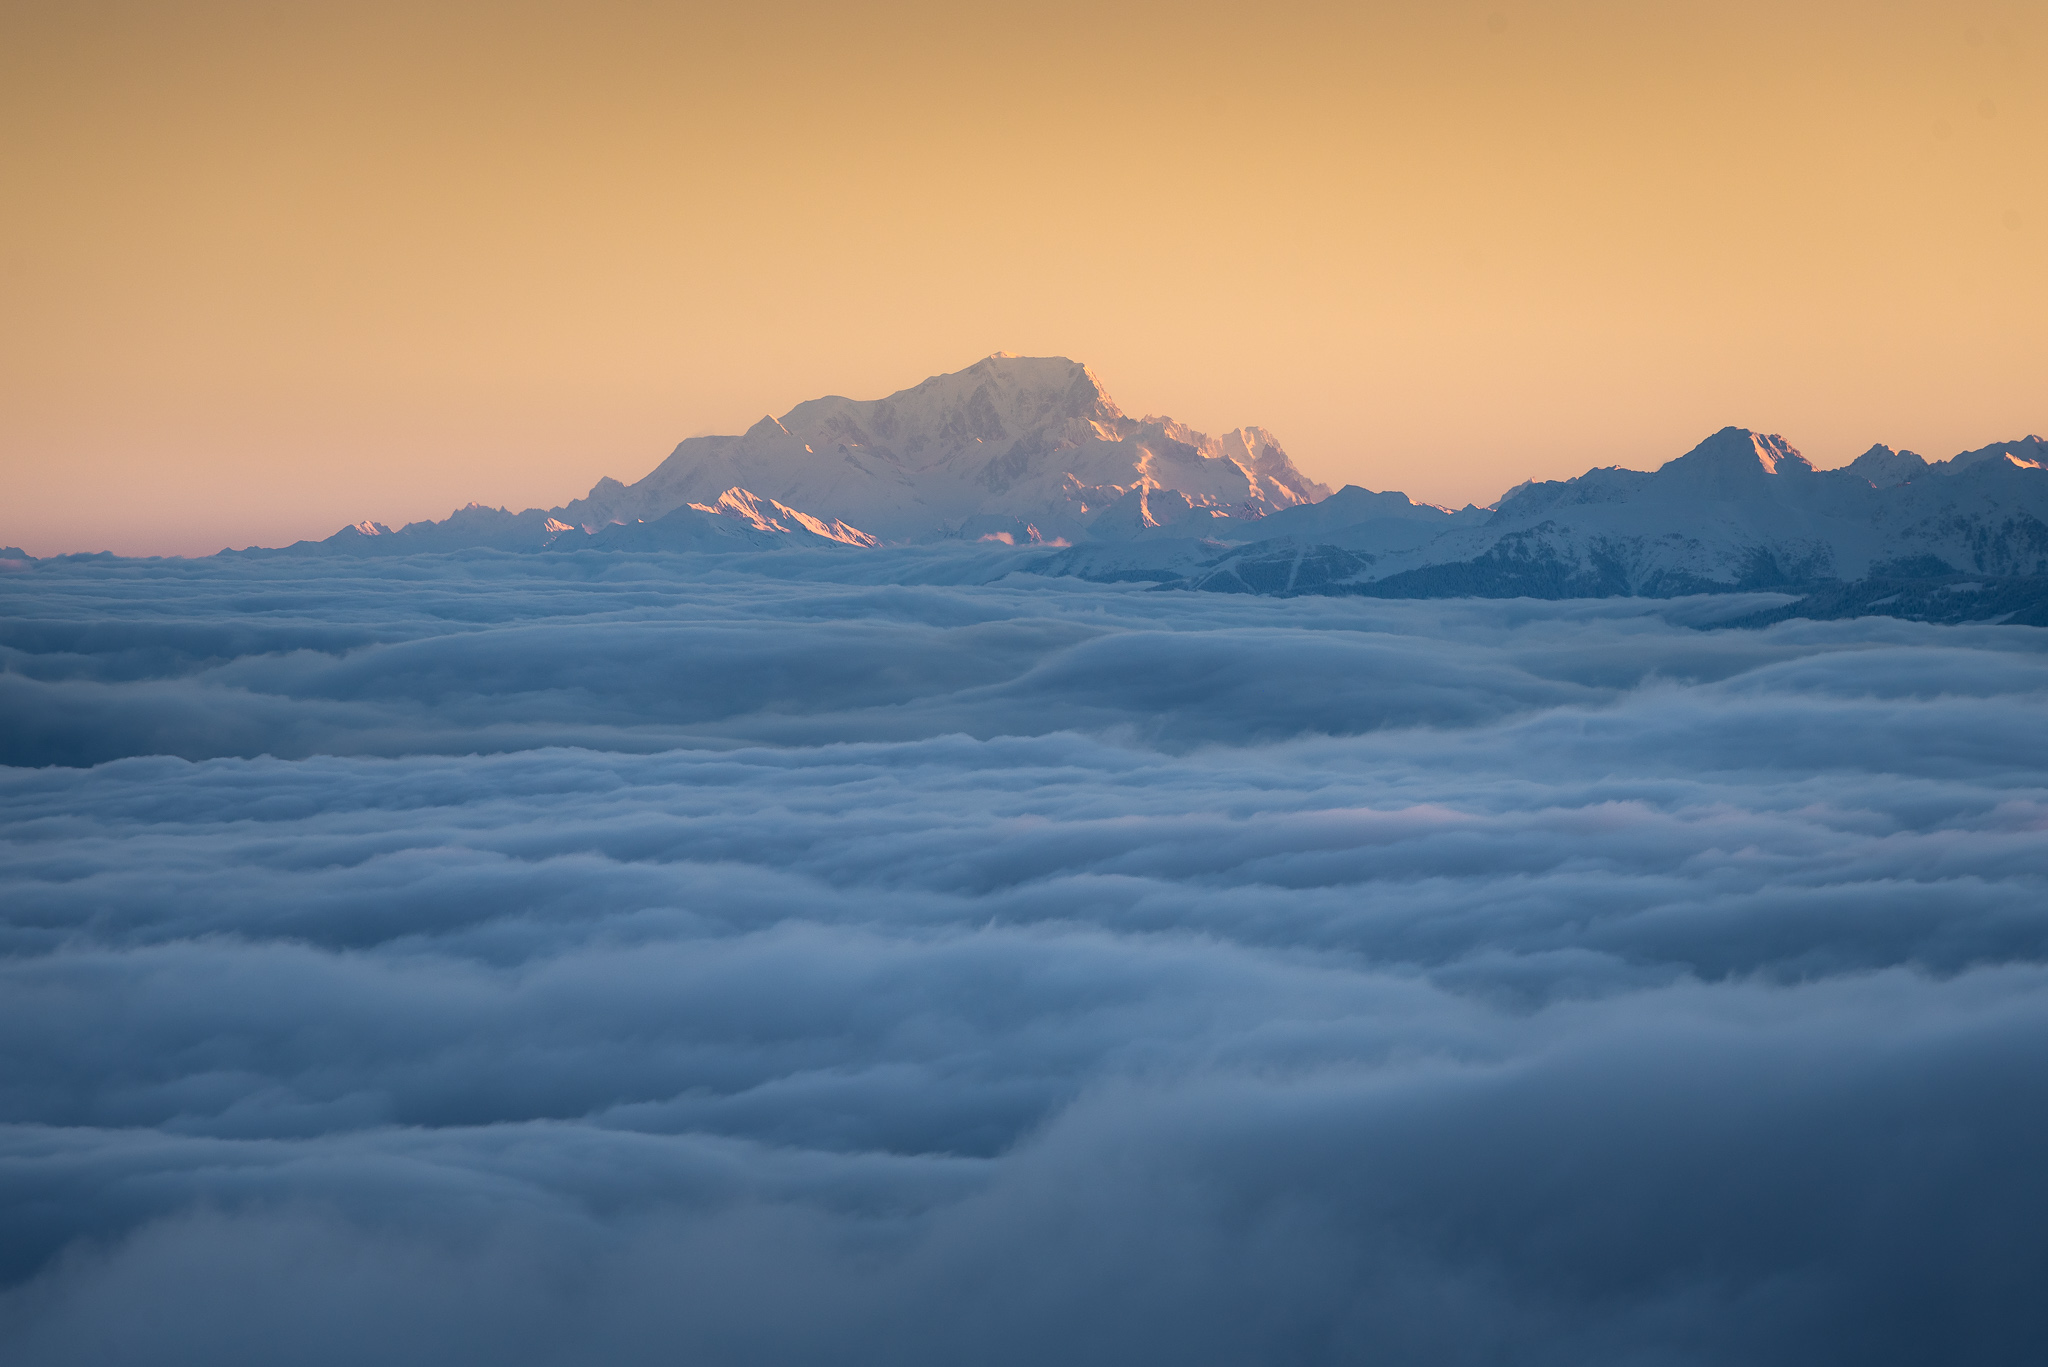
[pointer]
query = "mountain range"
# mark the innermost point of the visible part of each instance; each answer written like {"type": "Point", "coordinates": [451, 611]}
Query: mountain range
{"type": "Point", "coordinates": [1742, 510]}
{"type": "Point", "coordinates": [1032, 452]}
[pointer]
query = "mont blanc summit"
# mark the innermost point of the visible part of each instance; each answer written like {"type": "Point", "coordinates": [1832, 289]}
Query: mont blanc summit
{"type": "Point", "coordinates": [1018, 447]}
{"type": "Point", "coordinates": [1031, 451]}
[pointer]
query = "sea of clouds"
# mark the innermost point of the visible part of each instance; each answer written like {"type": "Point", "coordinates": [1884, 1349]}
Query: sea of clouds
{"type": "Point", "coordinates": [663, 959]}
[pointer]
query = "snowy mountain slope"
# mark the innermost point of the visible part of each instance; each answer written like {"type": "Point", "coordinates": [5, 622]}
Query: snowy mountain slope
{"type": "Point", "coordinates": [734, 519]}
{"type": "Point", "coordinates": [1031, 448]}
{"type": "Point", "coordinates": [2030, 451]}
{"type": "Point", "coordinates": [1015, 449]}
{"type": "Point", "coordinates": [1884, 467]}
{"type": "Point", "coordinates": [766, 515]}
{"type": "Point", "coordinates": [1712, 516]}
{"type": "Point", "coordinates": [1295, 550]}
{"type": "Point", "coordinates": [1745, 509]}
{"type": "Point", "coordinates": [475, 527]}
{"type": "Point", "coordinates": [1361, 520]}
{"type": "Point", "coordinates": [1740, 510]}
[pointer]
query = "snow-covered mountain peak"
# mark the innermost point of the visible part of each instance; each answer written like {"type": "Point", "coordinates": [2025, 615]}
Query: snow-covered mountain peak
{"type": "Point", "coordinates": [1008, 444]}
{"type": "Point", "coordinates": [1046, 400]}
{"type": "Point", "coordinates": [1023, 450]}
{"type": "Point", "coordinates": [1886, 468]}
{"type": "Point", "coordinates": [1737, 451]}
{"type": "Point", "coordinates": [2029, 452]}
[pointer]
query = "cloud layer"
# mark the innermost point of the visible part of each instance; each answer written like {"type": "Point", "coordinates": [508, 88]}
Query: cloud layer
{"type": "Point", "coordinates": [702, 960]}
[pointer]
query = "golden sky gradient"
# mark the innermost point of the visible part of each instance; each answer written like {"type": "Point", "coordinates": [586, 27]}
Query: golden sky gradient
{"type": "Point", "coordinates": [269, 268]}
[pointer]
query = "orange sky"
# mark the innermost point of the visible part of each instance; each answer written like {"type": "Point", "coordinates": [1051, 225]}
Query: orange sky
{"type": "Point", "coordinates": [269, 268]}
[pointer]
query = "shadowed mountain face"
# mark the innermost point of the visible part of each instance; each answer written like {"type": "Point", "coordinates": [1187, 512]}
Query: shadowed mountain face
{"type": "Point", "coordinates": [1031, 448]}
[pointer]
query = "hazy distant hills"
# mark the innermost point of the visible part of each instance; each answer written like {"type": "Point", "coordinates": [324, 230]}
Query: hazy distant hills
{"type": "Point", "coordinates": [1032, 451]}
